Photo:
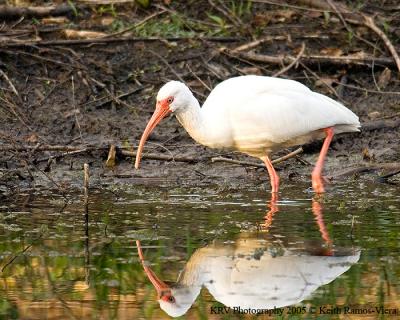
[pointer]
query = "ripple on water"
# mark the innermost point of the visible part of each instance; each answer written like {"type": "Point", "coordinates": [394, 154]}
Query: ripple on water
{"type": "Point", "coordinates": [53, 255]}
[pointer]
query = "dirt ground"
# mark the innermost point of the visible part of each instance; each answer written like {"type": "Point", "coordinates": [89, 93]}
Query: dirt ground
{"type": "Point", "coordinates": [86, 96]}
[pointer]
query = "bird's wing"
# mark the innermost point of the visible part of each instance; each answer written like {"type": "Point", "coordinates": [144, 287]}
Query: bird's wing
{"type": "Point", "coordinates": [277, 281]}
{"type": "Point", "coordinates": [259, 112]}
{"type": "Point", "coordinates": [245, 87]}
{"type": "Point", "coordinates": [281, 116]}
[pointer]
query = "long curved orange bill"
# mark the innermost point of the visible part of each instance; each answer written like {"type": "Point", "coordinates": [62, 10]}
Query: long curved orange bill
{"type": "Point", "coordinates": [163, 290]}
{"type": "Point", "coordinates": [162, 109]}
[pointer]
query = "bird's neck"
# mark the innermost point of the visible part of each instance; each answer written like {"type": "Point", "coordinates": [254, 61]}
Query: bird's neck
{"type": "Point", "coordinates": [191, 119]}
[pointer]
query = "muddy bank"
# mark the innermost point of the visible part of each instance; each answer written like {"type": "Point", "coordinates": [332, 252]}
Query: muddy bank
{"type": "Point", "coordinates": [94, 95]}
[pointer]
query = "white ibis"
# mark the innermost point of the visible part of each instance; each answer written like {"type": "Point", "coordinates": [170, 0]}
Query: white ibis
{"type": "Point", "coordinates": [251, 273]}
{"type": "Point", "coordinates": [256, 115]}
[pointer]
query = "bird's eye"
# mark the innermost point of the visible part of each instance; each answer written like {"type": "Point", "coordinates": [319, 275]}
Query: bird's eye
{"type": "Point", "coordinates": [170, 99]}
{"type": "Point", "coordinates": [171, 299]}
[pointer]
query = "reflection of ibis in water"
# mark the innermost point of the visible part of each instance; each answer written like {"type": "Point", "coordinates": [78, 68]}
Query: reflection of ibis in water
{"type": "Point", "coordinates": [254, 272]}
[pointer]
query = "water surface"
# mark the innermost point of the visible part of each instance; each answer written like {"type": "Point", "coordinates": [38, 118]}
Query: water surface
{"type": "Point", "coordinates": [216, 249]}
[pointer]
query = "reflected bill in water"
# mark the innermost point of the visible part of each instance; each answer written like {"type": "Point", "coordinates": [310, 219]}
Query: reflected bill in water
{"type": "Point", "coordinates": [255, 271]}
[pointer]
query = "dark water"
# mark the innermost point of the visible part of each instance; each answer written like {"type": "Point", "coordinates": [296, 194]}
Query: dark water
{"type": "Point", "coordinates": [313, 257]}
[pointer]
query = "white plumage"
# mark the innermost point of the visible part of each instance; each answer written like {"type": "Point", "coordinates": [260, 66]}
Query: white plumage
{"type": "Point", "coordinates": [254, 273]}
{"type": "Point", "coordinates": [263, 114]}
{"type": "Point", "coordinates": [256, 115]}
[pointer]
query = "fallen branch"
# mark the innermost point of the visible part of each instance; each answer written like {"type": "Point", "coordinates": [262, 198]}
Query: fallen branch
{"type": "Point", "coordinates": [72, 150]}
{"type": "Point", "coordinates": [397, 114]}
{"type": "Point", "coordinates": [10, 83]}
{"type": "Point", "coordinates": [41, 58]}
{"type": "Point", "coordinates": [242, 163]}
{"type": "Point", "coordinates": [311, 59]}
{"type": "Point", "coordinates": [38, 12]}
{"type": "Point", "coordinates": [327, 85]}
{"type": "Point", "coordinates": [324, 6]}
{"type": "Point", "coordinates": [348, 28]}
{"type": "Point", "coordinates": [39, 148]}
{"type": "Point", "coordinates": [133, 27]}
{"type": "Point", "coordinates": [389, 175]}
{"type": "Point", "coordinates": [380, 124]}
{"type": "Point", "coordinates": [365, 90]}
{"type": "Point", "coordinates": [258, 165]}
{"type": "Point", "coordinates": [370, 23]}
{"type": "Point", "coordinates": [62, 155]}
{"type": "Point", "coordinates": [288, 156]}
{"type": "Point", "coordinates": [106, 40]}
{"type": "Point", "coordinates": [255, 43]}
{"type": "Point", "coordinates": [151, 156]}
{"type": "Point", "coordinates": [358, 19]}
{"type": "Point", "coordinates": [366, 168]}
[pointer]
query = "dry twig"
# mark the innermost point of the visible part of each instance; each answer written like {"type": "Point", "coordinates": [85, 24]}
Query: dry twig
{"type": "Point", "coordinates": [311, 59]}
{"type": "Point", "coordinates": [258, 165]}
{"type": "Point", "coordinates": [389, 175]}
{"type": "Point", "coordinates": [293, 63]}
{"type": "Point", "coordinates": [369, 22]}
{"type": "Point", "coordinates": [103, 41]}
{"type": "Point", "coordinates": [151, 16]}
{"type": "Point", "coordinates": [39, 11]}
{"type": "Point", "coordinates": [222, 9]}
{"type": "Point", "coordinates": [366, 168]}
{"type": "Point", "coordinates": [355, 18]}
{"type": "Point", "coordinates": [69, 151]}
{"type": "Point", "coordinates": [9, 83]}
{"type": "Point", "coordinates": [86, 182]}
{"type": "Point", "coordinates": [255, 43]}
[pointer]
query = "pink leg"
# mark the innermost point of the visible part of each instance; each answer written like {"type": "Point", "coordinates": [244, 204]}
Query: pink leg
{"type": "Point", "coordinates": [317, 183]}
{"type": "Point", "coordinates": [317, 210]}
{"type": "Point", "coordinates": [269, 216]}
{"type": "Point", "coordinates": [272, 174]}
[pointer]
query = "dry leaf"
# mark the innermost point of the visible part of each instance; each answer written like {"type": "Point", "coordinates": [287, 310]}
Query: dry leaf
{"type": "Point", "coordinates": [33, 138]}
{"type": "Point", "coordinates": [374, 115]}
{"type": "Point", "coordinates": [107, 21]}
{"type": "Point", "coordinates": [314, 14]}
{"type": "Point", "coordinates": [251, 70]}
{"type": "Point", "coordinates": [384, 78]}
{"type": "Point", "coordinates": [71, 113]}
{"type": "Point", "coordinates": [358, 54]}
{"type": "Point", "coordinates": [323, 81]}
{"type": "Point", "coordinates": [283, 15]}
{"type": "Point", "coordinates": [333, 52]}
{"type": "Point", "coordinates": [367, 155]}
{"type": "Point", "coordinates": [261, 19]}
{"type": "Point", "coordinates": [39, 94]}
